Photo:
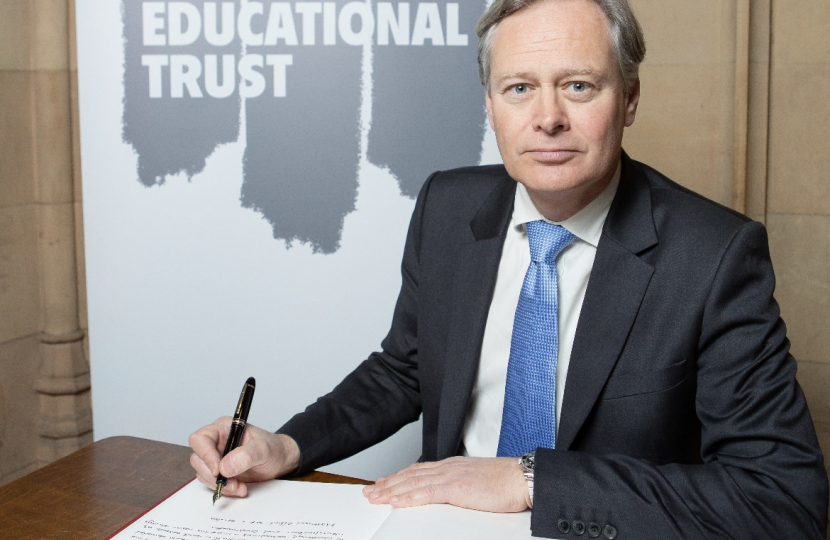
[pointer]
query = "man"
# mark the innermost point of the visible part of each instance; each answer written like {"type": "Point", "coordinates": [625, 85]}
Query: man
{"type": "Point", "coordinates": [665, 377]}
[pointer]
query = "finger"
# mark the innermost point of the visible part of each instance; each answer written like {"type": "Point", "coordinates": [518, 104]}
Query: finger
{"type": "Point", "coordinates": [407, 482]}
{"type": "Point", "coordinates": [232, 488]}
{"type": "Point", "coordinates": [429, 467]}
{"type": "Point", "coordinates": [235, 488]}
{"type": "Point", "coordinates": [203, 457]}
{"type": "Point", "coordinates": [402, 475]}
{"type": "Point", "coordinates": [208, 441]}
{"type": "Point", "coordinates": [417, 491]}
{"type": "Point", "coordinates": [429, 494]}
{"type": "Point", "coordinates": [202, 471]}
{"type": "Point", "coordinates": [378, 491]}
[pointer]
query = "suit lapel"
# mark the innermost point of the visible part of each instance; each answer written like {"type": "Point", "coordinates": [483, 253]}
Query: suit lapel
{"type": "Point", "coordinates": [618, 282]}
{"type": "Point", "coordinates": [475, 279]}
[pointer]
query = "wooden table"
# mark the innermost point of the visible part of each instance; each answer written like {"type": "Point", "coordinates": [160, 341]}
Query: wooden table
{"type": "Point", "coordinates": [94, 492]}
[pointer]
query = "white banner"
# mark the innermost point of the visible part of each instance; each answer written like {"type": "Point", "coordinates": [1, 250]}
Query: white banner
{"type": "Point", "coordinates": [249, 170]}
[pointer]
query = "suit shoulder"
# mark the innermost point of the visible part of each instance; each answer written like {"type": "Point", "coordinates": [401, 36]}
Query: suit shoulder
{"type": "Point", "coordinates": [465, 187]}
{"type": "Point", "coordinates": [479, 177]}
{"type": "Point", "coordinates": [682, 204]}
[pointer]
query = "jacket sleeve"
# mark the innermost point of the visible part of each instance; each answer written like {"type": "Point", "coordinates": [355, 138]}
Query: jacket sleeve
{"type": "Point", "coordinates": [383, 393]}
{"type": "Point", "coordinates": [762, 474]}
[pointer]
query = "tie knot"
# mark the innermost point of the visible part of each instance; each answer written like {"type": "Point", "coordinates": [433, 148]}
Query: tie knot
{"type": "Point", "coordinates": [547, 240]}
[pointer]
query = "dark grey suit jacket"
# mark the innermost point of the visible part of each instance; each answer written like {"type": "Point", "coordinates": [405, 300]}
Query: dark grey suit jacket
{"type": "Point", "coordinates": [681, 416]}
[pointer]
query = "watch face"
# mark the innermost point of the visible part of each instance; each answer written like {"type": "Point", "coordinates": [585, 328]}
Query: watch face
{"type": "Point", "coordinates": [529, 461]}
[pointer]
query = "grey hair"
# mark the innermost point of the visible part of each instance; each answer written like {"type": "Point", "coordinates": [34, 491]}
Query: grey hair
{"type": "Point", "coordinates": [625, 32]}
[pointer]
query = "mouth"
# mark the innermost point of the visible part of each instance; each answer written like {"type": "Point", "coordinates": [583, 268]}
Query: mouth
{"type": "Point", "coordinates": [551, 156]}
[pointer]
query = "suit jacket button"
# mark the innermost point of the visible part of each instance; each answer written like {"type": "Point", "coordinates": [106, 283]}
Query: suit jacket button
{"type": "Point", "coordinates": [594, 530]}
{"type": "Point", "coordinates": [609, 532]}
{"type": "Point", "coordinates": [578, 527]}
{"type": "Point", "coordinates": [563, 526]}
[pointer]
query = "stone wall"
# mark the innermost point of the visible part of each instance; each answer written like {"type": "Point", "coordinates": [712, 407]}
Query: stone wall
{"type": "Point", "coordinates": [45, 409]}
{"type": "Point", "coordinates": [798, 200]}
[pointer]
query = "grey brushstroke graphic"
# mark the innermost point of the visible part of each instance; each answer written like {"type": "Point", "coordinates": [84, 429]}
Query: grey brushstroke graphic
{"type": "Point", "coordinates": [171, 135]}
{"type": "Point", "coordinates": [300, 167]}
{"type": "Point", "coordinates": [303, 150]}
{"type": "Point", "coordinates": [427, 107]}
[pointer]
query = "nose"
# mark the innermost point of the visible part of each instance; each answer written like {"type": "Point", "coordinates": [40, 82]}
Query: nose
{"type": "Point", "coordinates": [549, 116]}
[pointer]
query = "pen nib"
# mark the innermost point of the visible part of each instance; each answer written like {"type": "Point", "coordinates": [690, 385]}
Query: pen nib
{"type": "Point", "coordinates": [217, 494]}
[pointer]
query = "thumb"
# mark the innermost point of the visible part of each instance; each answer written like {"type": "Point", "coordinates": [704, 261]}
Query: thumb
{"type": "Point", "coordinates": [236, 462]}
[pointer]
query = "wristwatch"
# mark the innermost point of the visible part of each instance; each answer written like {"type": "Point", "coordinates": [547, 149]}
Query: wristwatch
{"type": "Point", "coordinates": [528, 461]}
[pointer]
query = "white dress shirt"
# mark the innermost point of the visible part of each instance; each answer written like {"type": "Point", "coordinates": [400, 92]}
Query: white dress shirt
{"type": "Point", "coordinates": [573, 267]}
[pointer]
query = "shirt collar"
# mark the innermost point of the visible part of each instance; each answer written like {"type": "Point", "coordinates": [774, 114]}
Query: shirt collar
{"type": "Point", "coordinates": [585, 224]}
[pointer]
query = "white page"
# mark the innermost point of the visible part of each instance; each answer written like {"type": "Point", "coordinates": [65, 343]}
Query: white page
{"type": "Point", "coordinates": [445, 522]}
{"type": "Point", "coordinates": [278, 509]}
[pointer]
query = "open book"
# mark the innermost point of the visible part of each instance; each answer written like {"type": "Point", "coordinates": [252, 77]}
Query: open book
{"type": "Point", "coordinates": [307, 510]}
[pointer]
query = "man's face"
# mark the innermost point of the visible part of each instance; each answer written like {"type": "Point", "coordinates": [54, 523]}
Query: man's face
{"type": "Point", "coordinates": [557, 104]}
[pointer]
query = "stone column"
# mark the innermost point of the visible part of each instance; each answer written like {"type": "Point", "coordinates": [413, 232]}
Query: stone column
{"type": "Point", "coordinates": [65, 413]}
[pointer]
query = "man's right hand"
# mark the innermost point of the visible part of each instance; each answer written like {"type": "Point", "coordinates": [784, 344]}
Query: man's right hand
{"type": "Point", "coordinates": [262, 455]}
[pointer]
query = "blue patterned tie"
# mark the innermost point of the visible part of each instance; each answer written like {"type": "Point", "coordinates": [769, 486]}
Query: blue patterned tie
{"type": "Point", "coordinates": [529, 419]}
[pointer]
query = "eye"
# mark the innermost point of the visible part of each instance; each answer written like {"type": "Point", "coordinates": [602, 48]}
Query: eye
{"type": "Point", "coordinates": [520, 89]}
{"type": "Point", "coordinates": [579, 87]}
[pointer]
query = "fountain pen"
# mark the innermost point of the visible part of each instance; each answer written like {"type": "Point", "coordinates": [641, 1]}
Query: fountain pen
{"type": "Point", "coordinates": [240, 417]}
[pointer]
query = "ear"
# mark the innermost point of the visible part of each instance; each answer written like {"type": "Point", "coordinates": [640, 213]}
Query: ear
{"type": "Point", "coordinates": [632, 100]}
{"type": "Point", "coordinates": [489, 104]}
